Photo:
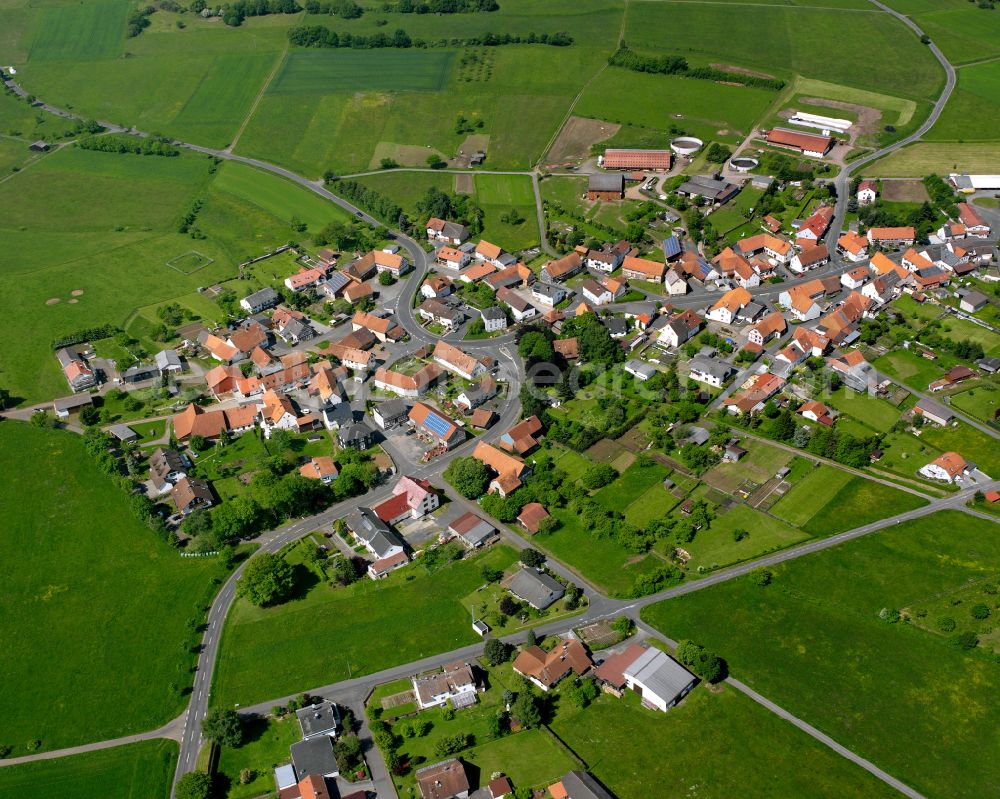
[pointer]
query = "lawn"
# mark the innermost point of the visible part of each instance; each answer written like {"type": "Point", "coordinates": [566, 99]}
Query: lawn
{"type": "Point", "coordinates": [858, 503]}
{"type": "Point", "coordinates": [267, 742]}
{"type": "Point", "coordinates": [751, 752]}
{"type": "Point", "coordinates": [635, 481]}
{"type": "Point", "coordinates": [138, 771]}
{"type": "Point", "coordinates": [760, 464]}
{"type": "Point", "coordinates": [497, 195]}
{"type": "Point", "coordinates": [814, 643]}
{"type": "Point", "coordinates": [963, 330]}
{"type": "Point", "coordinates": [876, 413]}
{"type": "Point", "coordinates": [910, 368]}
{"type": "Point", "coordinates": [809, 495]}
{"type": "Point", "coordinates": [981, 402]}
{"type": "Point", "coordinates": [321, 71]}
{"type": "Point", "coordinates": [971, 443]}
{"type": "Point", "coordinates": [717, 547]}
{"type": "Point", "coordinates": [409, 615]}
{"type": "Point", "coordinates": [84, 577]}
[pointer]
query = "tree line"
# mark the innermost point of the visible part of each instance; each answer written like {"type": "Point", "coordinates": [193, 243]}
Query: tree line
{"type": "Point", "coordinates": [345, 9]}
{"type": "Point", "coordinates": [123, 143]}
{"type": "Point", "coordinates": [321, 36]}
{"type": "Point", "coordinates": [440, 7]}
{"type": "Point", "coordinates": [678, 65]}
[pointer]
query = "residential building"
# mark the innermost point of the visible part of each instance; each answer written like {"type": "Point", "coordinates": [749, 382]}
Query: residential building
{"type": "Point", "coordinates": [454, 683]}
{"type": "Point", "coordinates": [710, 371]}
{"type": "Point", "coordinates": [726, 308]}
{"type": "Point", "coordinates": [196, 421]}
{"type": "Point", "coordinates": [494, 319]}
{"type": "Point", "coordinates": [356, 435]}
{"type": "Point", "coordinates": [306, 278]}
{"type": "Point", "coordinates": [854, 370]}
{"type": "Point", "coordinates": [679, 329]}
{"type": "Point", "coordinates": [318, 720]}
{"type": "Point", "coordinates": [933, 412]}
{"type": "Point", "coordinates": [609, 258]}
{"type": "Point", "coordinates": [448, 232]}
{"type": "Point", "coordinates": [531, 517]}
{"type": "Point", "coordinates": [333, 287]}
{"type": "Point", "coordinates": [168, 362]}
{"type": "Point", "coordinates": [191, 493]}
{"type": "Point", "coordinates": [810, 258]}
{"type": "Point", "coordinates": [522, 437]}
{"type": "Point", "coordinates": [802, 301]}
{"type": "Point", "coordinates": [260, 300]}
{"type": "Point", "coordinates": [774, 247]}
{"type": "Point", "coordinates": [508, 469]}
{"type": "Point", "coordinates": [915, 261]}
{"type": "Point", "coordinates": [548, 294]}
{"type": "Point", "coordinates": [471, 530]}
{"type": "Point", "coordinates": [510, 277]}
{"type": "Point", "coordinates": [715, 190]}
{"type": "Point", "coordinates": [444, 780]}
{"type": "Point", "coordinates": [166, 467]}
{"type": "Point", "coordinates": [374, 534]}
{"type": "Point", "coordinates": [948, 467]}
{"type": "Point", "coordinates": [412, 498]}
{"type": "Point", "coordinates": [816, 411]}
{"type": "Point", "coordinates": [455, 360]}
{"type": "Point", "coordinates": [855, 278]}
{"type": "Point", "coordinates": [771, 326]}
{"type": "Point", "coordinates": [78, 373]}
{"type": "Point", "coordinates": [390, 413]}
{"type": "Point", "coordinates": [754, 393]}
{"type": "Point", "coordinates": [520, 308]}
{"type": "Point", "coordinates": [320, 468]}
{"type": "Point", "coordinates": [815, 227]}
{"type": "Point", "coordinates": [436, 286]}
{"type": "Point", "coordinates": [809, 144]}
{"type": "Point", "coordinates": [595, 293]}
{"type": "Point", "coordinates": [675, 284]}
{"type": "Point", "coordinates": [579, 785]}
{"type": "Point", "coordinates": [490, 253]}
{"type": "Point", "coordinates": [660, 680]}
{"type": "Point", "coordinates": [853, 246]}
{"type": "Point", "coordinates": [278, 412]}
{"type": "Point", "coordinates": [383, 328]}
{"type": "Point", "coordinates": [562, 268]}
{"type": "Point", "coordinates": [639, 370]}
{"type": "Point", "coordinates": [478, 393]}
{"type": "Point", "coordinates": [314, 757]}
{"type": "Point", "coordinates": [973, 221]}
{"type": "Point", "coordinates": [867, 192]}
{"type": "Point", "coordinates": [605, 186]}
{"type": "Point", "coordinates": [414, 385]}
{"type": "Point", "coordinates": [653, 160]}
{"type": "Point", "coordinates": [440, 312]}
{"type": "Point", "coordinates": [547, 669]}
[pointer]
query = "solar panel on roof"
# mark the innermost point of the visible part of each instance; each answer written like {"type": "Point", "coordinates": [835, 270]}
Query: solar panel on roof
{"type": "Point", "coordinates": [671, 246]}
{"type": "Point", "coordinates": [437, 425]}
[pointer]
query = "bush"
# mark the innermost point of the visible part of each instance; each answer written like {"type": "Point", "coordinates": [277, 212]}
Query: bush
{"type": "Point", "coordinates": [224, 727]}
{"type": "Point", "coordinates": [598, 476]}
{"type": "Point", "coordinates": [946, 624]}
{"type": "Point", "coordinates": [965, 641]}
{"type": "Point", "coordinates": [761, 577]}
{"type": "Point", "coordinates": [980, 612]}
{"type": "Point", "coordinates": [496, 651]}
{"type": "Point", "coordinates": [194, 785]}
{"type": "Point", "coordinates": [267, 580]}
{"type": "Point", "coordinates": [532, 558]}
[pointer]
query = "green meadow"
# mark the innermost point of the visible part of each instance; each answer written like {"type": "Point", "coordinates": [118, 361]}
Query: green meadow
{"type": "Point", "coordinates": [144, 770]}
{"type": "Point", "coordinates": [973, 108]}
{"type": "Point", "coordinates": [814, 641]}
{"type": "Point", "coordinates": [83, 32]}
{"type": "Point", "coordinates": [322, 71]}
{"type": "Point", "coordinates": [96, 611]}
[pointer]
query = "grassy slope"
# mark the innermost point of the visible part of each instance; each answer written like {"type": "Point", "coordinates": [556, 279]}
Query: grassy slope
{"type": "Point", "coordinates": [712, 745]}
{"type": "Point", "coordinates": [363, 628]}
{"type": "Point", "coordinates": [813, 642]}
{"type": "Point", "coordinates": [125, 772]}
{"type": "Point", "coordinates": [89, 583]}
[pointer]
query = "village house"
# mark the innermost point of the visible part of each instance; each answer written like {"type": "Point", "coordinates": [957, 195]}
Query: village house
{"type": "Point", "coordinates": [510, 277]}
{"type": "Point", "coordinates": [432, 422]}
{"type": "Point", "coordinates": [810, 258]}
{"type": "Point", "coordinates": [839, 325]}
{"type": "Point", "coordinates": [390, 413]}
{"type": "Point", "coordinates": [520, 308]}
{"type": "Point", "coordinates": [436, 286]}
{"type": "Point", "coordinates": [492, 254]}
{"type": "Point", "coordinates": [471, 530]}
{"type": "Point", "coordinates": [333, 287]}
{"type": "Point", "coordinates": [383, 328]}
{"type": "Point", "coordinates": [857, 374]}
{"type": "Point", "coordinates": [771, 326]}
{"type": "Point", "coordinates": [679, 329]}
{"type": "Point", "coordinates": [675, 284]}
{"type": "Point", "coordinates": [78, 373]}
{"type": "Point", "coordinates": [260, 300]}
{"type": "Point", "coordinates": [728, 305]}
{"type": "Point", "coordinates": [802, 301]}
{"type": "Point", "coordinates": [522, 437]}
{"type": "Point", "coordinates": [715, 190]}
{"type": "Point", "coordinates": [867, 192]}
{"type": "Point", "coordinates": [548, 294]}
{"type": "Point", "coordinates": [444, 780]}
{"type": "Point", "coordinates": [547, 669]}
{"type": "Point", "coordinates": [456, 361]}
{"type": "Point", "coordinates": [449, 232]}
{"type": "Point", "coordinates": [412, 498]}
{"type": "Point", "coordinates": [643, 269]}
{"type": "Point", "coordinates": [754, 393]}
{"type": "Point", "coordinates": [196, 421]}
{"type": "Point", "coordinates": [639, 370]}
{"type": "Point", "coordinates": [355, 435]}
{"type": "Point", "coordinates": [948, 467]}
{"type": "Point", "coordinates": [277, 412]}
{"type": "Point", "coordinates": [815, 227]}
{"type": "Point", "coordinates": [494, 319]}
{"type": "Point", "coordinates": [595, 293]}
{"type": "Point", "coordinates": [191, 493]}
{"type": "Point", "coordinates": [508, 469]}
{"type": "Point", "coordinates": [710, 371]}
{"type": "Point", "coordinates": [453, 683]}
{"type": "Point", "coordinates": [380, 540]}
{"type": "Point", "coordinates": [816, 411]}
{"type": "Point", "coordinates": [562, 268]}
{"type": "Point", "coordinates": [166, 467]}
{"type": "Point", "coordinates": [531, 517]}
{"type": "Point", "coordinates": [973, 221]}
{"type": "Point", "coordinates": [609, 257]}
{"type": "Point", "coordinates": [892, 237]}
{"type": "Point", "coordinates": [774, 247]}
{"type": "Point", "coordinates": [855, 278]}
{"type": "Point", "coordinates": [579, 785]}
{"type": "Point", "coordinates": [478, 393]}
{"type": "Point", "coordinates": [451, 258]}
{"type": "Point", "coordinates": [853, 246]}
{"type": "Point", "coordinates": [306, 278]}
{"type": "Point", "coordinates": [440, 312]}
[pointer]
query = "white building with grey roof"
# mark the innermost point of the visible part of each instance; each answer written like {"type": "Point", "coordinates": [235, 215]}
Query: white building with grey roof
{"type": "Point", "coordinates": [659, 679]}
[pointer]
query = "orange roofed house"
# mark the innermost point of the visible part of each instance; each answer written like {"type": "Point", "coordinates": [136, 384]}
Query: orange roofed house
{"type": "Point", "coordinates": [509, 470]}
{"type": "Point", "coordinates": [546, 669]}
{"type": "Point", "coordinates": [754, 393]}
{"type": "Point", "coordinates": [196, 421]}
{"type": "Point", "coordinates": [408, 385]}
{"type": "Point", "coordinates": [521, 438]}
{"type": "Point", "coordinates": [892, 237]}
{"type": "Point", "coordinates": [437, 425]}
{"type": "Point", "coordinates": [643, 269]}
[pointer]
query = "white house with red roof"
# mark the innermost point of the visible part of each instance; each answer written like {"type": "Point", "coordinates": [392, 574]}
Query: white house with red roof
{"type": "Point", "coordinates": [412, 498]}
{"type": "Point", "coordinates": [949, 467]}
{"type": "Point", "coordinates": [867, 192]}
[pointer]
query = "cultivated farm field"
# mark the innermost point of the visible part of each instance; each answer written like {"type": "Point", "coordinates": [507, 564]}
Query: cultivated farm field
{"type": "Point", "coordinates": [89, 582]}
{"type": "Point", "coordinates": [813, 641]}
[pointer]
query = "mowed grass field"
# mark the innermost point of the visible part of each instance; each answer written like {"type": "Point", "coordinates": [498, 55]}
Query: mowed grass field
{"type": "Point", "coordinates": [716, 546]}
{"type": "Point", "coordinates": [714, 745]}
{"type": "Point", "coordinates": [702, 108]}
{"type": "Point", "coordinates": [964, 32]}
{"type": "Point", "coordinates": [81, 32]}
{"type": "Point", "coordinates": [973, 107]}
{"type": "Point", "coordinates": [321, 71]}
{"type": "Point", "coordinates": [813, 642]}
{"type": "Point", "coordinates": [497, 195]}
{"type": "Point", "coordinates": [95, 606]}
{"type": "Point", "coordinates": [784, 40]}
{"type": "Point", "coordinates": [923, 158]}
{"type": "Point", "coordinates": [330, 635]}
{"type": "Point", "coordinates": [137, 771]}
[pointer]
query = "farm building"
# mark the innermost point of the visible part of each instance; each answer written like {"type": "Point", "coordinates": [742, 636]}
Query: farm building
{"type": "Point", "coordinates": [806, 143]}
{"type": "Point", "coordinates": [606, 187]}
{"type": "Point", "coordinates": [659, 160]}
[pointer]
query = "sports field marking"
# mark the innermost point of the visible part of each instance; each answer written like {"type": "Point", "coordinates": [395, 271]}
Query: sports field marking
{"type": "Point", "coordinates": [189, 262]}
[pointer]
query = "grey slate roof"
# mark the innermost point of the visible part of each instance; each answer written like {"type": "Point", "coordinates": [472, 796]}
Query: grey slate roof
{"type": "Point", "coordinates": [602, 181]}
{"type": "Point", "coordinates": [660, 674]}
{"type": "Point", "coordinates": [493, 313]}
{"type": "Point", "coordinates": [374, 532]}
{"type": "Point", "coordinates": [717, 369]}
{"type": "Point", "coordinates": [167, 359]}
{"type": "Point", "coordinates": [314, 756]}
{"type": "Point", "coordinates": [264, 297]}
{"type": "Point", "coordinates": [580, 785]}
{"type": "Point", "coordinates": [321, 719]}
{"type": "Point", "coordinates": [537, 589]}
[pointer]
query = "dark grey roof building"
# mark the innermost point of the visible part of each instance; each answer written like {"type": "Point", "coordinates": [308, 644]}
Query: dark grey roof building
{"type": "Point", "coordinates": [319, 719]}
{"type": "Point", "coordinates": [536, 588]}
{"type": "Point", "coordinates": [315, 756]}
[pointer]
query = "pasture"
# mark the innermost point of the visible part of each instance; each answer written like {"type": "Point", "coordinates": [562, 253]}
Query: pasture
{"type": "Point", "coordinates": [321, 71]}
{"type": "Point", "coordinates": [407, 188]}
{"type": "Point", "coordinates": [973, 108]}
{"type": "Point", "coordinates": [814, 643]}
{"type": "Point", "coordinates": [716, 546]}
{"type": "Point", "coordinates": [142, 769]}
{"type": "Point", "coordinates": [630, 485]}
{"type": "Point", "coordinates": [84, 577]}
{"type": "Point", "coordinates": [876, 413]}
{"type": "Point", "coordinates": [963, 32]}
{"type": "Point", "coordinates": [497, 195]}
{"type": "Point", "coordinates": [980, 402]}
{"type": "Point", "coordinates": [363, 628]}
{"type": "Point", "coordinates": [857, 503]}
{"type": "Point", "coordinates": [751, 751]}
{"type": "Point", "coordinates": [83, 32]}
{"type": "Point", "coordinates": [811, 493]}
{"type": "Point", "coordinates": [785, 40]}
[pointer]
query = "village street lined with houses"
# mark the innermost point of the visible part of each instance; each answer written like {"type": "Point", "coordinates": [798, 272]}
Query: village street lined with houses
{"type": "Point", "coordinates": [711, 461]}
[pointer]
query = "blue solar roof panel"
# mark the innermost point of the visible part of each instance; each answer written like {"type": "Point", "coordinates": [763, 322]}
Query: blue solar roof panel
{"type": "Point", "coordinates": [437, 425]}
{"type": "Point", "coordinates": [671, 247]}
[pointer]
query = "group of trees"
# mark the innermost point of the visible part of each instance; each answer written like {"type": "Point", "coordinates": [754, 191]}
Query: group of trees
{"type": "Point", "coordinates": [138, 20]}
{"type": "Point", "coordinates": [678, 65]}
{"type": "Point", "coordinates": [459, 208]}
{"type": "Point", "coordinates": [345, 9]}
{"type": "Point", "coordinates": [234, 13]}
{"type": "Point", "coordinates": [268, 579]}
{"type": "Point", "coordinates": [440, 6]}
{"type": "Point", "coordinates": [374, 202]}
{"type": "Point", "coordinates": [707, 665]}
{"type": "Point", "coordinates": [321, 36]}
{"type": "Point", "coordinates": [123, 143]}
{"type": "Point", "coordinates": [924, 218]}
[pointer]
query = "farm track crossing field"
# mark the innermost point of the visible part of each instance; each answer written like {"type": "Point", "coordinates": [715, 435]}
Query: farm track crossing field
{"type": "Point", "coordinates": [814, 643]}
{"type": "Point", "coordinates": [114, 602]}
{"type": "Point", "coordinates": [137, 771]}
{"type": "Point", "coordinates": [310, 71]}
{"type": "Point", "coordinates": [81, 32]}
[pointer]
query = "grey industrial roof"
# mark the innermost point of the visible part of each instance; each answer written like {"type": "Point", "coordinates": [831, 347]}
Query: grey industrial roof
{"type": "Point", "coordinates": [642, 368]}
{"type": "Point", "coordinates": [314, 756]}
{"type": "Point", "coordinates": [321, 719]}
{"type": "Point", "coordinates": [602, 181]}
{"type": "Point", "coordinates": [123, 432]}
{"type": "Point", "coordinates": [706, 187]}
{"type": "Point", "coordinates": [76, 401]}
{"type": "Point", "coordinates": [534, 587]}
{"type": "Point", "coordinates": [660, 674]}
